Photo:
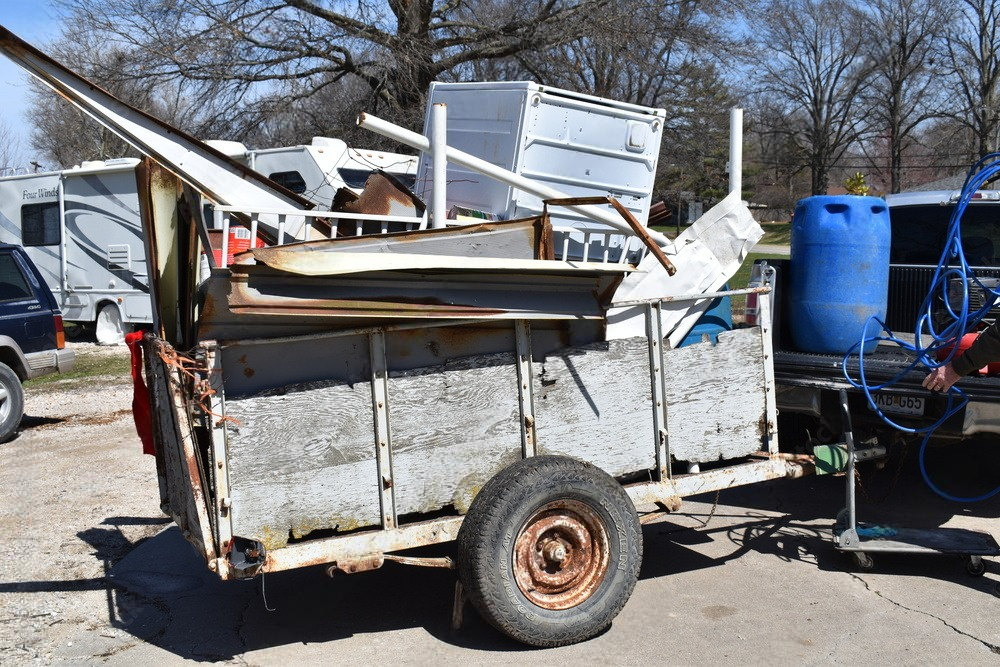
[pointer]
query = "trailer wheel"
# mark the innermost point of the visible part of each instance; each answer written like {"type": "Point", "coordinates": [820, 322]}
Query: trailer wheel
{"type": "Point", "coordinates": [109, 328]}
{"type": "Point", "coordinates": [549, 551]}
{"type": "Point", "coordinates": [11, 402]}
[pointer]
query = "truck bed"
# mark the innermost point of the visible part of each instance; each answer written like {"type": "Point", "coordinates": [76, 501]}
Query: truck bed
{"type": "Point", "coordinates": [807, 382]}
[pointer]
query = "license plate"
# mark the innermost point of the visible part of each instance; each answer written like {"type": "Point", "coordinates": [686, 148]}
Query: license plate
{"type": "Point", "coordinates": [900, 405]}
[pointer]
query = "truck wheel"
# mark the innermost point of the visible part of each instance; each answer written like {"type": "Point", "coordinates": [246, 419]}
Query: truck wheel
{"type": "Point", "coordinates": [549, 551]}
{"type": "Point", "coordinates": [11, 402]}
{"type": "Point", "coordinates": [108, 328]}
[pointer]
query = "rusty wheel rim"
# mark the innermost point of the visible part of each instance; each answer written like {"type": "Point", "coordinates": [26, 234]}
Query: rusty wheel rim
{"type": "Point", "coordinates": [561, 555]}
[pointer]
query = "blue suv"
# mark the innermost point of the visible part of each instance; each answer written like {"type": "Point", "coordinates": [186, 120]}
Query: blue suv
{"type": "Point", "coordinates": [32, 340]}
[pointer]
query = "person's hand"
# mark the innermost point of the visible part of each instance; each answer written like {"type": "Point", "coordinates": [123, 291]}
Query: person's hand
{"type": "Point", "coordinates": [941, 378]}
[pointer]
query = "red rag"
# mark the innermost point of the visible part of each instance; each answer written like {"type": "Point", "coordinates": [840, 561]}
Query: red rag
{"type": "Point", "coordinates": [141, 412]}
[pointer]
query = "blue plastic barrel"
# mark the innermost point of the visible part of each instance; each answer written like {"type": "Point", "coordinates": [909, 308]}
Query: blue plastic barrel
{"type": "Point", "coordinates": [716, 319]}
{"type": "Point", "coordinates": [839, 271]}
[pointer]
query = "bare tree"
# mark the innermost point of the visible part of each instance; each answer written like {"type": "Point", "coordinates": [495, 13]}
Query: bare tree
{"type": "Point", "coordinates": [903, 91]}
{"type": "Point", "coordinates": [814, 65]}
{"type": "Point", "coordinates": [775, 165]}
{"type": "Point", "coordinates": [659, 54]}
{"type": "Point", "coordinates": [251, 57]}
{"type": "Point", "coordinates": [65, 136]}
{"type": "Point", "coordinates": [10, 149]}
{"type": "Point", "coordinates": [973, 52]}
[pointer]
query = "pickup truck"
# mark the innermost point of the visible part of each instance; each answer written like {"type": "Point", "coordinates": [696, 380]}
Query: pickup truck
{"type": "Point", "coordinates": [808, 383]}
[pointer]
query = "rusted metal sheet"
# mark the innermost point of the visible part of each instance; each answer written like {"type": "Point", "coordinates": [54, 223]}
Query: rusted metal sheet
{"type": "Point", "coordinates": [287, 259]}
{"type": "Point", "coordinates": [527, 238]}
{"type": "Point", "coordinates": [261, 302]}
{"type": "Point", "coordinates": [383, 195]}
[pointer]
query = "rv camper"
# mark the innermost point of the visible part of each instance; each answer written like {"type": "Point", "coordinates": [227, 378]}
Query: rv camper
{"type": "Point", "coordinates": [81, 228]}
{"type": "Point", "coordinates": [318, 170]}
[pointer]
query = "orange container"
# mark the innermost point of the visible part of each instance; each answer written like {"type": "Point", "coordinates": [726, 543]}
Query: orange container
{"type": "Point", "coordinates": [239, 241]}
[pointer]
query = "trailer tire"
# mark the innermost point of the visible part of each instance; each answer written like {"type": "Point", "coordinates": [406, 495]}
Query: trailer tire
{"type": "Point", "coordinates": [109, 328]}
{"type": "Point", "coordinates": [550, 550]}
{"type": "Point", "coordinates": [11, 402]}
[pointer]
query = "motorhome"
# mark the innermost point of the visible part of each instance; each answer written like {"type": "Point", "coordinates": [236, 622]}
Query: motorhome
{"type": "Point", "coordinates": [317, 170]}
{"type": "Point", "coordinates": [81, 228]}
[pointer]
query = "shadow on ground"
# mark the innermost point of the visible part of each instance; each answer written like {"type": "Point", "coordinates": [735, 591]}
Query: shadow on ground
{"type": "Point", "coordinates": [161, 592]}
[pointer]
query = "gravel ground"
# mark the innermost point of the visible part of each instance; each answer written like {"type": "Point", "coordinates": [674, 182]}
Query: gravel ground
{"type": "Point", "coordinates": [78, 495]}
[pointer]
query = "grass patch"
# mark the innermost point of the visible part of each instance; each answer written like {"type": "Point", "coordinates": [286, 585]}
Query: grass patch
{"type": "Point", "coordinates": [89, 365]}
{"type": "Point", "coordinates": [775, 233]}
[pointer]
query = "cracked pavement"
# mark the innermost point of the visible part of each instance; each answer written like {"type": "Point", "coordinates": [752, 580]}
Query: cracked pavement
{"type": "Point", "coordinates": [91, 572]}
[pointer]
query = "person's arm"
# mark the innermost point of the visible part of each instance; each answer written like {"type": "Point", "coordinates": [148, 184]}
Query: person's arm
{"type": "Point", "coordinates": [985, 349]}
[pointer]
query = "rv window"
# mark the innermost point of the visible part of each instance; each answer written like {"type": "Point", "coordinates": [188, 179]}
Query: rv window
{"type": "Point", "coordinates": [354, 178]}
{"type": "Point", "coordinates": [40, 224]}
{"type": "Point", "coordinates": [13, 287]}
{"type": "Point", "coordinates": [290, 179]}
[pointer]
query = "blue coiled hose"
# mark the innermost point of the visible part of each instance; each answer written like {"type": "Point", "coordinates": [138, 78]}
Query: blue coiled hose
{"type": "Point", "coordinates": [952, 267]}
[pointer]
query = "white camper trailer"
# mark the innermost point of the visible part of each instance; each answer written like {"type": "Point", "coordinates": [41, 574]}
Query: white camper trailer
{"type": "Point", "coordinates": [81, 228]}
{"type": "Point", "coordinates": [318, 170]}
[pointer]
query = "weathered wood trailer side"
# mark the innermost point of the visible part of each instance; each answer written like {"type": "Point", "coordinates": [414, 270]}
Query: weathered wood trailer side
{"type": "Point", "coordinates": [339, 448]}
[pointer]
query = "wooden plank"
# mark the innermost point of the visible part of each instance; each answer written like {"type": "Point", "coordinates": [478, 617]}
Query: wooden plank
{"type": "Point", "coordinates": [178, 452]}
{"type": "Point", "coordinates": [301, 459]}
{"type": "Point", "coordinates": [594, 402]}
{"type": "Point", "coordinates": [453, 427]}
{"type": "Point", "coordinates": [715, 398]}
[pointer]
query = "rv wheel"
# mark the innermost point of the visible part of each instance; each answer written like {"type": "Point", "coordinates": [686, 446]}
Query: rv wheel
{"type": "Point", "coordinates": [550, 550]}
{"type": "Point", "coordinates": [11, 402]}
{"type": "Point", "coordinates": [109, 329]}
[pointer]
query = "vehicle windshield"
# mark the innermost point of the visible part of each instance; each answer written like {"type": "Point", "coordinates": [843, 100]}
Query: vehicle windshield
{"type": "Point", "coordinates": [918, 233]}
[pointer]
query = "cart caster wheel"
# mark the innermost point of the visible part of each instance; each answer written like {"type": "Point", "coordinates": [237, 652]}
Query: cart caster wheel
{"type": "Point", "coordinates": [863, 561]}
{"type": "Point", "coordinates": [975, 566]}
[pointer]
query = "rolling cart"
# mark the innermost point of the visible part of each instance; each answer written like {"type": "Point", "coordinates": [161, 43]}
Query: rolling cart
{"type": "Point", "coordinates": [864, 540]}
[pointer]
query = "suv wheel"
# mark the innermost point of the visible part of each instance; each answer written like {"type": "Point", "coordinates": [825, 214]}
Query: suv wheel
{"type": "Point", "coordinates": [11, 402]}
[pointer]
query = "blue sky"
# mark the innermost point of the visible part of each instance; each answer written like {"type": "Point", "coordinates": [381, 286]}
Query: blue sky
{"type": "Point", "coordinates": [33, 21]}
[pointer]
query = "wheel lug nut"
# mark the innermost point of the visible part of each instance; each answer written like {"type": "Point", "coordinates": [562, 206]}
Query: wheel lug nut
{"type": "Point", "coordinates": [555, 552]}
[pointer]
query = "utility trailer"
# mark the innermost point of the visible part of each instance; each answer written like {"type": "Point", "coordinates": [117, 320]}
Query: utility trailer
{"type": "Point", "coordinates": [321, 419]}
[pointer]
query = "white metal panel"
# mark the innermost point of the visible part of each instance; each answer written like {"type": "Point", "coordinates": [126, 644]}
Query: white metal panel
{"type": "Point", "coordinates": [485, 122]}
{"type": "Point", "coordinates": [578, 144]}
